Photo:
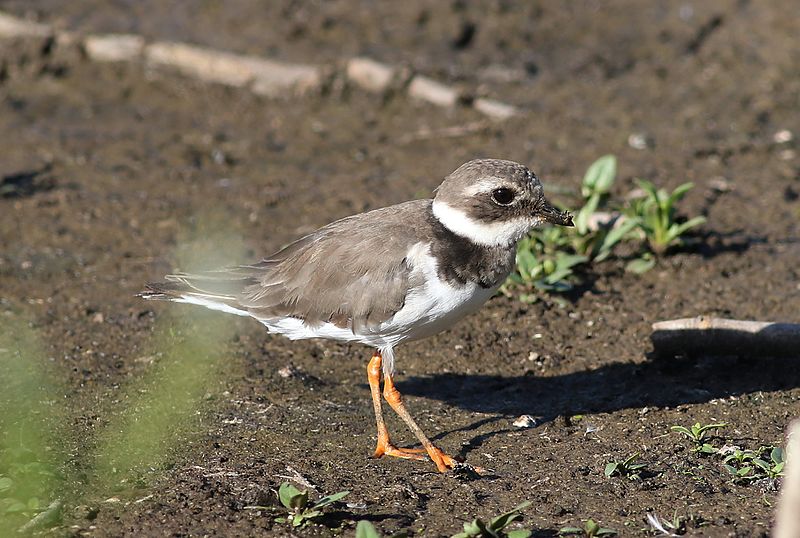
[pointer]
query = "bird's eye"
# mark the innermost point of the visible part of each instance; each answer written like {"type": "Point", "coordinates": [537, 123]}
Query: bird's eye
{"type": "Point", "coordinates": [503, 196]}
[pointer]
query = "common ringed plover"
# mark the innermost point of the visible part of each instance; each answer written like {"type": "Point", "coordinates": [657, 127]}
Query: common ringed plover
{"type": "Point", "coordinates": [384, 277]}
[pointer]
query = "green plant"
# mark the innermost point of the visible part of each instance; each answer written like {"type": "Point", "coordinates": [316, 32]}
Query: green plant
{"type": "Point", "coordinates": [654, 215]}
{"type": "Point", "coordinates": [301, 513]}
{"type": "Point", "coordinates": [543, 264]}
{"type": "Point", "coordinates": [698, 435]}
{"type": "Point", "coordinates": [593, 239]}
{"type": "Point", "coordinates": [365, 529]}
{"type": "Point", "coordinates": [590, 530]}
{"type": "Point", "coordinates": [748, 465]}
{"type": "Point", "coordinates": [547, 258]}
{"type": "Point", "coordinates": [627, 468]}
{"type": "Point", "coordinates": [495, 528]}
{"type": "Point", "coordinates": [596, 184]}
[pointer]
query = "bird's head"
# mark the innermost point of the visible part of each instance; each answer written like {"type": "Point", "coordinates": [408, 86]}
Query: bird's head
{"type": "Point", "coordinates": [494, 203]}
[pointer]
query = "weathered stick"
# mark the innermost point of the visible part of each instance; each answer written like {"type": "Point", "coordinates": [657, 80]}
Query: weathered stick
{"type": "Point", "coordinates": [717, 336]}
{"type": "Point", "coordinates": [787, 517]}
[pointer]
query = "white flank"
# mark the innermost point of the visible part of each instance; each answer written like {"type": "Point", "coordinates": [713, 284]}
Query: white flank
{"type": "Point", "coordinates": [487, 234]}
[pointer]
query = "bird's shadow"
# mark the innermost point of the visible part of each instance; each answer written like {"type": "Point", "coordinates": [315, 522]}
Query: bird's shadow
{"type": "Point", "coordinates": [657, 382]}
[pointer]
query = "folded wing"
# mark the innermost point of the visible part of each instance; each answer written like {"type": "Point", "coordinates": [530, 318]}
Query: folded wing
{"type": "Point", "coordinates": [352, 272]}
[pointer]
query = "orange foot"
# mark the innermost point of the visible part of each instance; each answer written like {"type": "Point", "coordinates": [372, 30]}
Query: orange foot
{"type": "Point", "coordinates": [388, 449]}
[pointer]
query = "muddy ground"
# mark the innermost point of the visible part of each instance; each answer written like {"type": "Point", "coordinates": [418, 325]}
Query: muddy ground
{"type": "Point", "coordinates": [116, 175]}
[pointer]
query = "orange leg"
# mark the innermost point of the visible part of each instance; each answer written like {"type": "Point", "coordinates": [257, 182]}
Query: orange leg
{"type": "Point", "coordinates": [385, 446]}
{"type": "Point", "coordinates": [443, 461]}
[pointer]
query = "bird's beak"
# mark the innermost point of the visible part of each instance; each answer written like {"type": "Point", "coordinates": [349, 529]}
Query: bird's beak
{"type": "Point", "coordinates": [550, 214]}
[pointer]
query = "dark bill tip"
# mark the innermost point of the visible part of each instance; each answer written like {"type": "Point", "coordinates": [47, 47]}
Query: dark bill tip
{"type": "Point", "coordinates": [552, 215]}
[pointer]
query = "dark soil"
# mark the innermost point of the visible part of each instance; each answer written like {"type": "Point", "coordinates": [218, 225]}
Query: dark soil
{"type": "Point", "coordinates": [114, 175]}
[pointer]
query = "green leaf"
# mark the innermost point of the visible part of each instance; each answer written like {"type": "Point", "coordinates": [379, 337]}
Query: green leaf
{"type": "Point", "coordinates": [599, 176]}
{"type": "Point", "coordinates": [365, 529]}
{"type": "Point", "coordinates": [291, 497]}
{"type": "Point", "coordinates": [500, 522]}
{"type": "Point", "coordinates": [325, 501]}
{"type": "Point", "coordinates": [556, 287]}
{"type": "Point", "coordinates": [777, 455]}
{"type": "Point", "coordinates": [744, 471]}
{"type": "Point", "coordinates": [679, 192]}
{"type": "Point", "coordinates": [677, 230]}
{"type": "Point", "coordinates": [585, 213]}
{"type": "Point", "coordinates": [591, 527]}
{"type": "Point", "coordinates": [472, 528]}
{"type": "Point", "coordinates": [762, 464]}
{"type": "Point", "coordinates": [683, 430]}
{"type": "Point", "coordinates": [570, 530]}
{"type": "Point", "coordinates": [641, 265]}
{"type": "Point", "coordinates": [730, 468]}
{"type": "Point", "coordinates": [611, 468]}
{"type": "Point", "coordinates": [614, 236]}
{"type": "Point", "coordinates": [603, 531]}
{"type": "Point", "coordinates": [648, 188]}
{"type": "Point", "coordinates": [570, 260]}
{"type": "Point", "coordinates": [6, 484]}
{"type": "Point", "coordinates": [519, 533]}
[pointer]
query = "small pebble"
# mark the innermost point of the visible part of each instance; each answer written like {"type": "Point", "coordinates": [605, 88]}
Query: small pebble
{"type": "Point", "coordinates": [637, 141]}
{"type": "Point", "coordinates": [783, 136]}
{"type": "Point", "coordinates": [288, 371]}
{"type": "Point", "coordinates": [525, 421]}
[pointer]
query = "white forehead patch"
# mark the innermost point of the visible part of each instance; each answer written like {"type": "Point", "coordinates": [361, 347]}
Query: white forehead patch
{"type": "Point", "coordinates": [489, 234]}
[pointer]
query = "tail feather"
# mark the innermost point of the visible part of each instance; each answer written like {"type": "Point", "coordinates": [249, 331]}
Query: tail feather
{"type": "Point", "coordinates": [164, 291]}
{"type": "Point", "coordinates": [219, 290]}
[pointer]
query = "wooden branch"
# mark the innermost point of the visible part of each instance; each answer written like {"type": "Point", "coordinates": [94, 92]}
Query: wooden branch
{"type": "Point", "coordinates": [787, 522]}
{"type": "Point", "coordinates": [716, 336]}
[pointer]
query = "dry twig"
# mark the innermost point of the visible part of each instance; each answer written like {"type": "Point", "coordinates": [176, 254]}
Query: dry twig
{"type": "Point", "coordinates": [717, 336]}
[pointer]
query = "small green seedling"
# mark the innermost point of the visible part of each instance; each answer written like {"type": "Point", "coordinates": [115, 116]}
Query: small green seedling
{"type": "Point", "coordinates": [296, 502]}
{"type": "Point", "coordinates": [597, 242]}
{"type": "Point", "coordinates": [590, 530]}
{"type": "Point", "coordinates": [698, 435]}
{"type": "Point", "coordinates": [627, 468]}
{"type": "Point", "coordinates": [495, 528]}
{"type": "Point", "coordinates": [595, 187]}
{"type": "Point", "coordinates": [365, 529]}
{"type": "Point", "coordinates": [774, 467]}
{"type": "Point", "coordinates": [654, 214]}
{"type": "Point", "coordinates": [543, 264]}
{"type": "Point", "coordinates": [749, 465]}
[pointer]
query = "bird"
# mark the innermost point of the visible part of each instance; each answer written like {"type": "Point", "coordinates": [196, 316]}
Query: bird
{"type": "Point", "coordinates": [387, 276]}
